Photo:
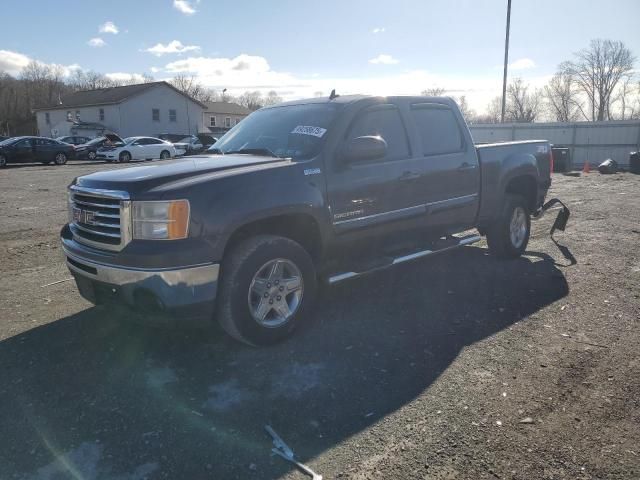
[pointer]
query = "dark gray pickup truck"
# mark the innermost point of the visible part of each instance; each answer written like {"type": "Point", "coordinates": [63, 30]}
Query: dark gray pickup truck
{"type": "Point", "coordinates": [322, 189]}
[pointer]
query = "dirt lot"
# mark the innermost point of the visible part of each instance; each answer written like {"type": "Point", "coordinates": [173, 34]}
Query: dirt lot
{"type": "Point", "coordinates": [456, 367]}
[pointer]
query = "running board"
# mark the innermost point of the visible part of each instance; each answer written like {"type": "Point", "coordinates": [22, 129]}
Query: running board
{"type": "Point", "coordinates": [468, 240]}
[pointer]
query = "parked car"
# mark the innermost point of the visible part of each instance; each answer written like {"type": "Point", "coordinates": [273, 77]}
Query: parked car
{"type": "Point", "coordinates": [137, 148]}
{"type": "Point", "coordinates": [90, 149]}
{"type": "Point", "coordinates": [190, 144]}
{"type": "Point", "coordinates": [73, 140]}
{"type": "Point", "coordinates": [34, 149]}
{"type": "Point", "coordinates": [206, 140]}
{"type": "Point", "coordinates": [318, 189]}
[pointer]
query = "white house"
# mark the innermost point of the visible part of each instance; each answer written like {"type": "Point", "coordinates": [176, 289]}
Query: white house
{"type": "Point", "coordinates": [219, 117]}
{"type": "Point", "coordinates": [147, 109]}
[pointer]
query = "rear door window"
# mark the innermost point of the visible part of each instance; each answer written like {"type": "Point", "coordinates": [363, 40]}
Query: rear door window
{"type": "Point", "coordinates": [383, 121]}
{"type": "Point", "coordinates": [438, 129]}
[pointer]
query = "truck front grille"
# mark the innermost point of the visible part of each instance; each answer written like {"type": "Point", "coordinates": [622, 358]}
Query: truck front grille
{"type": "Point", "coordinates": [100, 218]}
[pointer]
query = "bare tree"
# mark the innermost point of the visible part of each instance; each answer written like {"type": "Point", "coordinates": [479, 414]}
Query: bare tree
{"type": "Point", "coordinates": [191, 87]}
{"type": "Point", "coordinates": [597, 71]}
{"type": "Point", "coordinates": [563, 98]}
{"type": "Point", "coordinates": [625, 104]}
{"type": "Point", "coordinates": [523, 105]}
{"type": "Point", "coordinates": [251, 100]}
{"type": "Point", "coordinates": [433, 92]}
{"type": "Point", "coordinates": [272, 98]}
{"type": "Point", "coordinates": [468, 114]}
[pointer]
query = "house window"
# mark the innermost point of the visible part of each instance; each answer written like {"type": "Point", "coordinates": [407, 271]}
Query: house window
{"type": "Point", "coordinates": [77, 115]}
{"type": "Point", "coordinates": [47, 118]}
{"type": "Point", "coordinates": [227, 122]}
{"type": "Point", "coordinates": [101, 113]}
{"type": "Point", "coordinates": [68, 115]}
{"type": "Point", "coordinates": [212, 121]}
{"type": "Point", "coordinates": [172, 115]}
{"type": "Point", "coordinates": [155, 114]}
{"type": "Point", "coordinates": [238, 120]}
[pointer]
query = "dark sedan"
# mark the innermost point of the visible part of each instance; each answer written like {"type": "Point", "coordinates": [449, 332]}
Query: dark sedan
{"type": "Point", "coordinates": [34, 149]}
{"type": "Point", "coordinates": [89, 150]}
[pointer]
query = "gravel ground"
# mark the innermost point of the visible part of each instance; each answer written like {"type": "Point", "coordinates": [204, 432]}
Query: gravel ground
{"type": "Point", "coordinates": [456, 367]}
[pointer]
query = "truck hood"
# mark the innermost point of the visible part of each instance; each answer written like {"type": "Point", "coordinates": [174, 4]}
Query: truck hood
{"type": "Point", "coordinates": [147, 177]}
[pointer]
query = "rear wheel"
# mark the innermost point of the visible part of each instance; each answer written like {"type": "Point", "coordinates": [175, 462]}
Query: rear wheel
{"type": "Point", "coordinates": [91, 155]}
{"type": "Point", "coordinates": [509, 235]}
{"type": "Point", "coordinates": [3, 161]}
{"type": "Point", "coordinates": [268, 284]}
{"type": "Point", "coordinates": [124, 157]}
{"type": "Point", "coordinates": [60, 158]}
{"type": "Point", "coordinates": [165, 155]}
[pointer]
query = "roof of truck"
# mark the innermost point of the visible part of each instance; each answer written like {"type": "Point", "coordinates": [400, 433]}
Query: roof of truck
{"type": "Point", "coordinates": [346, 99]}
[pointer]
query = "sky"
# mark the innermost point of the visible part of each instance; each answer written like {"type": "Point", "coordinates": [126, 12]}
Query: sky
{"type": "Point", "coordinates": [298, 49]}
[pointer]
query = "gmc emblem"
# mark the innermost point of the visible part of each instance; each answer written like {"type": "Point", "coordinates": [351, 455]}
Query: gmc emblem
{"type": "Point", "coordinates": [84, 216]}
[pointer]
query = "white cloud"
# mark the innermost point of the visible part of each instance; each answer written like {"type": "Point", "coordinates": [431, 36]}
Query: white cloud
{"type": "Point", "coordinates": [383, 59]}
{"type": "Point", "coordinates": [378, 30]}
{"type": "Point", "coordinates": [109, 27]}
{"type": "Point", "coordinates": [174, 46]}
{"type": "Point", "coordinates": [122, 76]}
{"type": "Point", "coordinates": [522, 64]}
{"type": "Point", "coordinates": [12, 62]}
{"type": "Point", "coordinates": [96, 42]}
{"type": "Point", "coordinates": [155, 69]}
{"type": "Point", "coordinates": [184, 6]}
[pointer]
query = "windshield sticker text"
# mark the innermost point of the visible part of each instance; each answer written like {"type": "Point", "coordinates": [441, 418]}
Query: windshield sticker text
{"type": "Point", "coordinates": [306, 130]}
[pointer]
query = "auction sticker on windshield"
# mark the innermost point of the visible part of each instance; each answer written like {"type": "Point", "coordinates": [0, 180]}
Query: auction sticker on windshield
{"type": "Point", "coordinates": [306, 130]}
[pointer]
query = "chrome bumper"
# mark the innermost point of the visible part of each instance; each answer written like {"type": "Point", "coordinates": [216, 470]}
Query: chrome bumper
{"type": "Point", "coordinates": [191, 288]}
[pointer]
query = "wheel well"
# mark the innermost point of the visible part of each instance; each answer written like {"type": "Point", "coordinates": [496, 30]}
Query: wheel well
{"type": "Point", "coordinates": [299, 227]}
{"type": "Point", "coordinates": [123, 152]}
{"type": "Point", "coordinates": [524, 185]}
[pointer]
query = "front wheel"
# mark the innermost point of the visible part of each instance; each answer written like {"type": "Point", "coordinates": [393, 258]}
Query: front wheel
{"type": "Point", "coordinates": [91, 155]}
{"type": "Point", "coordinates": [268, 284]}
{"type": "Point", "coordinates": [125, 157]}
{"type": "Point", "coordinates": [3, 161]}
{"type": "Point", "coordinates": [164, 155]}
{"type": "Point", "coordinates": [509, 235]}
{"type": "Point", "coordinates": [60, 159]}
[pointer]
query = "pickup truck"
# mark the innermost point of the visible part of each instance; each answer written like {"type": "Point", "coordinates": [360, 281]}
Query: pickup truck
{"type": "Point", "coordinates": [325, 189]}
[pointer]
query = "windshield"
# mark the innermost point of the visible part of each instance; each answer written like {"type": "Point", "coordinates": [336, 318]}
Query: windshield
{"type": "Point", "coordinates": [129, 140]}
{"type": "Point", "coordinates": [294, 131]}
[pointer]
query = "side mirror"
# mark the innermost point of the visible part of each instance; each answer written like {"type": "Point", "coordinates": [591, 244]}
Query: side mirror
{"type": "Point", "coordinates": [365, 148]}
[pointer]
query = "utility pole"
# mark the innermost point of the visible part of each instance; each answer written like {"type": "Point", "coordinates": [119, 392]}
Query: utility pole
{"type": "Point", "coordinates": [506, 62]}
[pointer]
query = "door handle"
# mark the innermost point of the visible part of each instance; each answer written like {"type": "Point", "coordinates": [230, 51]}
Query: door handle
{"type": "Point", "coordinates": [409, 175]}
{"type": "Point", "coordinates": [466, 166]}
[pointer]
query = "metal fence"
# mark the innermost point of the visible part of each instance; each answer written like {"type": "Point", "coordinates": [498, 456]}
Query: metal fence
{"type": "Point", "coordinates": [591, 142]}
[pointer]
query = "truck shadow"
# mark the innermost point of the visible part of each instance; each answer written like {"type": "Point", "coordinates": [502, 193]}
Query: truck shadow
{"type": "Point", "coordinates": [92, 395]}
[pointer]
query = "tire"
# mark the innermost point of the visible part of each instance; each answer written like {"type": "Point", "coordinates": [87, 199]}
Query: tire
{"type": "Point", "coordinates": [91, 155]}
{"type": "Point", "coordinates": [247, 276]}
{"type": "Point", "coordinates": [60, 158]}
{"type": "Point", "coordinates": [125, 157]}
{"type": "Point", "coordinates": [3, 161]}
{"type": "Point", "coordinates": [509, 235]}
{"type": "Point", "coordinates": [164, 155]}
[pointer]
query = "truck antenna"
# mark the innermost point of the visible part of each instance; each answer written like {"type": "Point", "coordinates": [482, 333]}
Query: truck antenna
{"type": "Point", "coordinates": [333, 94]}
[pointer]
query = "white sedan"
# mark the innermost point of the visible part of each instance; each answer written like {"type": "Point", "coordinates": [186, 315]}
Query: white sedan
{"type": "Point", "coordinates": [137, 148]}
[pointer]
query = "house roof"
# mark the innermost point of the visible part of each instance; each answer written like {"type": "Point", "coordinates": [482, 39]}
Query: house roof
{"type": "Point", "coordinates": [108, 96]}
{"type": "Point", "coordinates": [226, 108]}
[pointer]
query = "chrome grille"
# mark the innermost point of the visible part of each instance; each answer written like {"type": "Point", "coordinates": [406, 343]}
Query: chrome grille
{"type": "Point", "coordinates": [100, 218]}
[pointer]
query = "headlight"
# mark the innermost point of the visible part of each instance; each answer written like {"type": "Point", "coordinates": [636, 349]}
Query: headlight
{"type": "Point", "coordinates": [161, 220]}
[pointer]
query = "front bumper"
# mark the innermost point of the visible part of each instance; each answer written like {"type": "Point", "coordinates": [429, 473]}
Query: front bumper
{"type": "Point", "coordinates": [186, 293]}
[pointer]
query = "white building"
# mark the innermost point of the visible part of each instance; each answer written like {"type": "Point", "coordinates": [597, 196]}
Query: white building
{"type": "Point", "coordinates": [147, 109]}
{"type": "Point", "coordinates": [219, 117]}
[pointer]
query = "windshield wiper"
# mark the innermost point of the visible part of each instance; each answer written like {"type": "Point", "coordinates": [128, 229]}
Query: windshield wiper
{"type": "Point", "coordinates": [254, 151]}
